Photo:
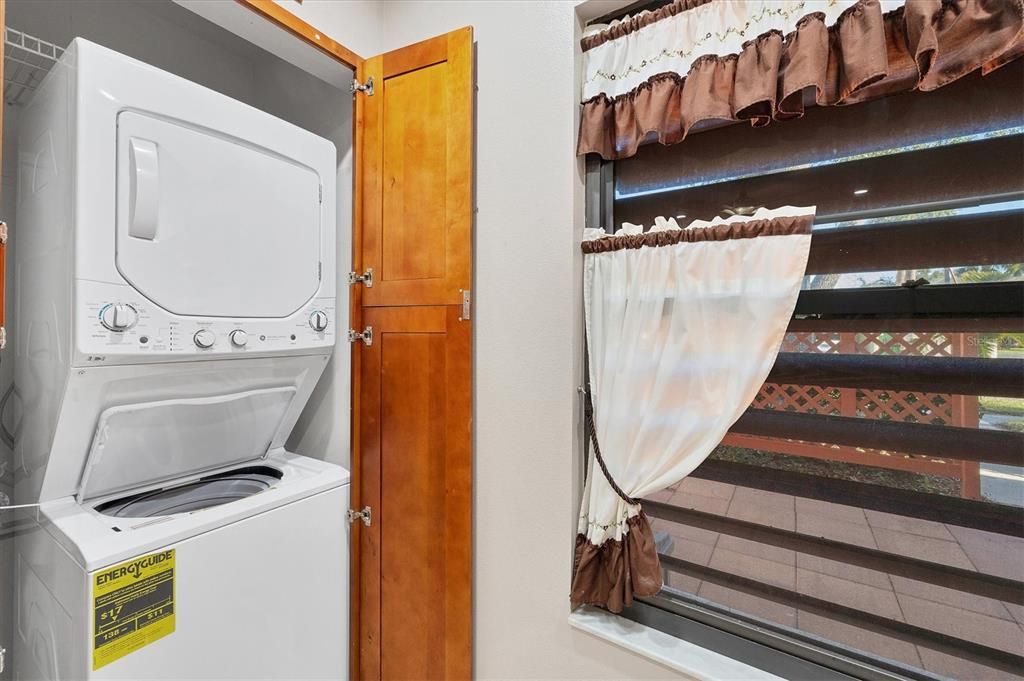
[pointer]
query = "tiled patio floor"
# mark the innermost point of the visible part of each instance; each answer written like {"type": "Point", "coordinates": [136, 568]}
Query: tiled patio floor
{"type": "Point", "coordinates": [990, 622]}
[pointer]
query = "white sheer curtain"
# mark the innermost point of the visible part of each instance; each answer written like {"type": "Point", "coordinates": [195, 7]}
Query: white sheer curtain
{"type": "Point", "coordinates": [683, 326]}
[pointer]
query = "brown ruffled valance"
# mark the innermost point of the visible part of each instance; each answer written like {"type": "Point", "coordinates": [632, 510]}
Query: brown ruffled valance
{"type": "Point", "coordinates": [611, 574]}
{"type": "Point", "coordinates": [922, 46]}
{"type": "Point", "coordinates": [777, 226]}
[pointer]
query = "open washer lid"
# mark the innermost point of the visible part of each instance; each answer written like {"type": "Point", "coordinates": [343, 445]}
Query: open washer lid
{"type": "Point", "coordinates": [138, 445]}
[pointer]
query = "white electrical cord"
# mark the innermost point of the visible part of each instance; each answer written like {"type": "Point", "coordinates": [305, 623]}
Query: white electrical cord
{"type": "Point", "coordinates": [6, 505]}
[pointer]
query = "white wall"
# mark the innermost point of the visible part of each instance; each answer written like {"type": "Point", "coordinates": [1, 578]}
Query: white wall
{"type": "Point", "coordinates": [156, 33]}
{"type": "Point", "coordinates": [527, 336]}
{"type": "Point", "coordinates": [357, 24]}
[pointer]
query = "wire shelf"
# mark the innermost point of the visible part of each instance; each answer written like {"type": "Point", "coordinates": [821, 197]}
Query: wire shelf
{"type": "Point", "coordinates": [27, 60]}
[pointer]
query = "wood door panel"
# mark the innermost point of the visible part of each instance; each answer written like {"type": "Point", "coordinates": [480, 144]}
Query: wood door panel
{"type": "Point", "coordinates": [415, 56]}
{"type": "Point", "coordinates": [414, 165]}
{"type": "Point", "coordinates": [416, 469]}
{"type": "Point", "coordinates": [412, 400]}
{"type": "Point", "coordinates": [412, 480]}
{"type": "Point", "coordinates": [417, 211]}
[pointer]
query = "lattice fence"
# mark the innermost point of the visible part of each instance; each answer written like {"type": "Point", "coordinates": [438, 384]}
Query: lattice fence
{"type": "Point", "coordinates": [911, 407]}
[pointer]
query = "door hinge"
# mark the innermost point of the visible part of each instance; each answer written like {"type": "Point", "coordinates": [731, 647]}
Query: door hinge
{"type": "Point", "coordinates": [366, 87]}
{"type": "Point", "coordinates": [3, 659]}
{"type": "Point", "coordinates": [466, 305]}
{"type": "Point", "coordinates": [3, 232]}
{"type": "Point", "coordinates": [366, 336]}
{"type": "Point", "coordinates": [3, 337]}
{"type": "Point", "coordinates": [320, 193]}
{"type": "Point", "coordinates": [365, 515]}
{"type": "Point", "coordinates": [366, 278]}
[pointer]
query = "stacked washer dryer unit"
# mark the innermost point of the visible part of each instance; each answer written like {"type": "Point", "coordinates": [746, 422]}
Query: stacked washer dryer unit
{"type": "Point", "coordinates": [176, 292]}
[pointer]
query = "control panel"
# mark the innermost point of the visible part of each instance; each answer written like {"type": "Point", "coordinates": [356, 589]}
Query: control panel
{"type": "Point", "coordinates": [115, 324]}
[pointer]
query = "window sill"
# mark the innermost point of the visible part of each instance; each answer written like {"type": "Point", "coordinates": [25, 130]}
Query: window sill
{"type": "Point", "coordinates": [676, 654]}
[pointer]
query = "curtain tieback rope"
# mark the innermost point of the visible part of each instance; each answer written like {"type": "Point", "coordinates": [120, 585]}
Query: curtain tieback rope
{"type": "Point", "coordinates": [591, 429]}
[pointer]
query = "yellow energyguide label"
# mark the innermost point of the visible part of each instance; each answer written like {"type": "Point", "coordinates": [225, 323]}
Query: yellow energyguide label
{"type": "Point", "coordinates": [133, 605]}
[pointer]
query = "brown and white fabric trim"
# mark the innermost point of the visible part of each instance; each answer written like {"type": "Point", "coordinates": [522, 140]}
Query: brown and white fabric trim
{"type": "Point", "coordinates": [634, 23]}
{"type": "Point", "coordinates": [655, 76]}
{"type": "Point", "coordinates": [721, 230]}
{"type": "Point", "coordinates": [613, 573]}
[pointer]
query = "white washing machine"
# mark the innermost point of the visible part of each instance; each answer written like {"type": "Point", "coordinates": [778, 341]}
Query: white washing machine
{"type": "Point", "coordinates": [175, 283]}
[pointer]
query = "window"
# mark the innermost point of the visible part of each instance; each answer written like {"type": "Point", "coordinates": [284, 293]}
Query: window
{"type": "Point", "coordinates": [865, 514]}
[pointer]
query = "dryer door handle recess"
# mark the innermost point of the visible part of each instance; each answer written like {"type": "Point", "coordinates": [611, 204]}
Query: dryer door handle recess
{"type": "Point", "coordinates": [145, 189]}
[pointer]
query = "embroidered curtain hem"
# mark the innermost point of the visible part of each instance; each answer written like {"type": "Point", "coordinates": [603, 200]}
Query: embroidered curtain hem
{"type": "Point", "coordinates": [613, 573]}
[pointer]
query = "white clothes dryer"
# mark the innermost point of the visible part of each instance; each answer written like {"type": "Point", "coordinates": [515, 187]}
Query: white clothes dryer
{"type": "Point", "coordinates": [175, 274]}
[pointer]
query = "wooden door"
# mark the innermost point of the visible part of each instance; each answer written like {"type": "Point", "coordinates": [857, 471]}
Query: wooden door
{"type": "Point", "coordinates": [412, 392]}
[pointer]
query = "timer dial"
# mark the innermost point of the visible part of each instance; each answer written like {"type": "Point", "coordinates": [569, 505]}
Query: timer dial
{"type": "Point", "coordinates": [318, 320]}
{"type": "Point", "coordinates": [204, 338]}
{"type": "Point", "coordinates": [118, 316]}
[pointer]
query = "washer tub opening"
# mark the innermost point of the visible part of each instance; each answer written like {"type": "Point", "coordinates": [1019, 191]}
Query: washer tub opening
{"type": "Point", "coordinates": [207, 492]}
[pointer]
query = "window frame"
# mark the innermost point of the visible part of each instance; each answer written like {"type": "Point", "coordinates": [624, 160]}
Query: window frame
{"type": "Point", "coordinates": [774, 648]}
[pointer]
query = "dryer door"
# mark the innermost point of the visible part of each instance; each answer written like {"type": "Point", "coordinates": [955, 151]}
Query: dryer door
{"type": "Point", "coordinates": [209, 225]}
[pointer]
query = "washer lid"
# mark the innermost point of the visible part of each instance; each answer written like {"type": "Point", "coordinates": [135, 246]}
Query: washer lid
{"type": "Point", "coordinates": [137, 445]}
{"type": "Point", "coordinates": [210, 225]}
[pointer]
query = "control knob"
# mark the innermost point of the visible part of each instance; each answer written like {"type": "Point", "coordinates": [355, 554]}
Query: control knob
{"type": "Point", "coordinates": [318, 320]}
{"type": "Point", "coordinates": [204, 338]}
{"type": "Point", "coordinates": [118, 316]}
{"type": "Point", "coordinates": [238, 338]}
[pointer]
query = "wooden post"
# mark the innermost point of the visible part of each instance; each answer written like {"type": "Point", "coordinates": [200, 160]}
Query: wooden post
{"type": "Point", "coordinates": [965, 413]}
{"type": "Point", "coordinates": [848, 396]}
